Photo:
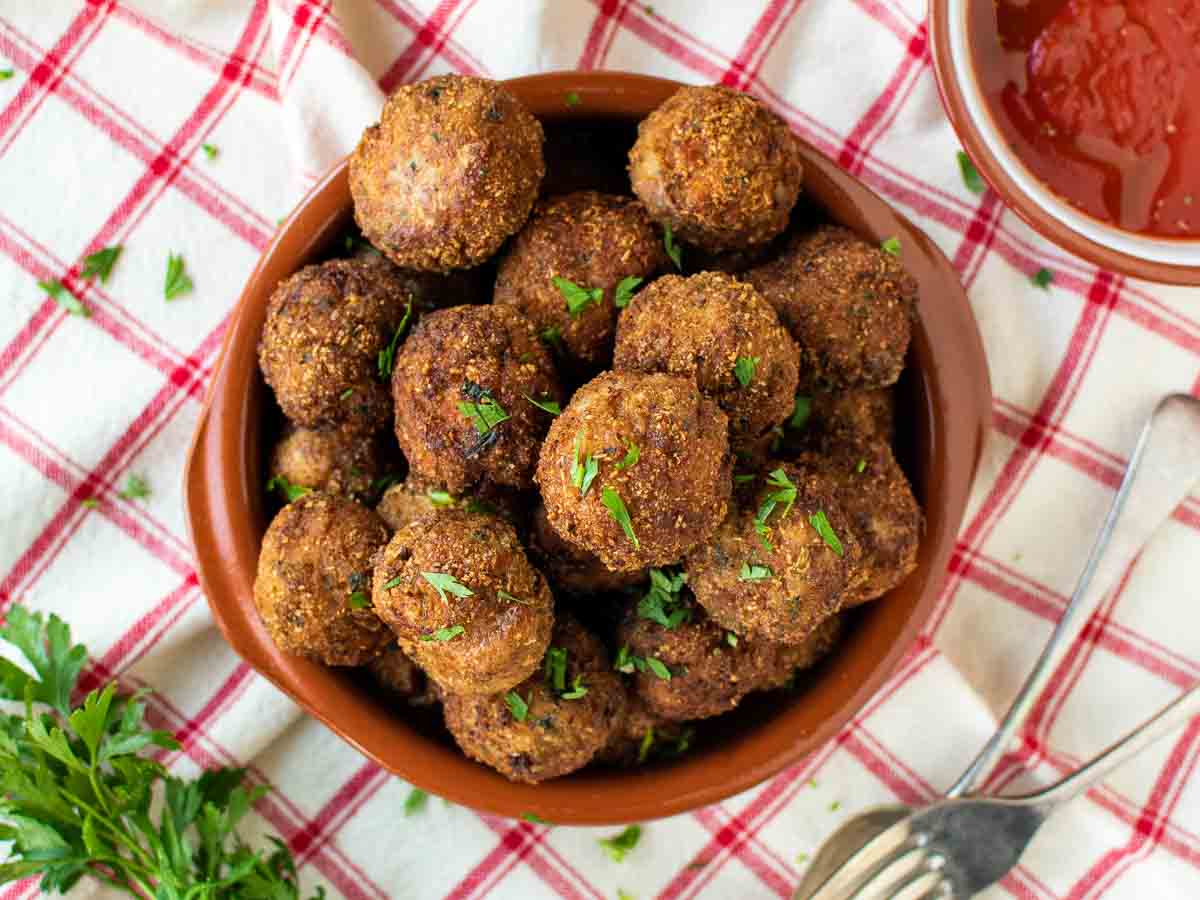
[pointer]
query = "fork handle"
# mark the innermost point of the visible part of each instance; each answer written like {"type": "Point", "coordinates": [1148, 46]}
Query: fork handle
{"type": "Point", "coordinates": [1170, 718]}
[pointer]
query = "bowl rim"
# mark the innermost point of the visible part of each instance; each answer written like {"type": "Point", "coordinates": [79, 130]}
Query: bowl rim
{"type": "Point", "coordinates": [1024, 193]}
{"type": "Point", "coordinates": [221, 498]}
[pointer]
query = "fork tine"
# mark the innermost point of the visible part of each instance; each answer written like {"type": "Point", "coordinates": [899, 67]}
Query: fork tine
{"type": "Point", "coordinates": [889, 876]}
{"type": "Point", "coordinates": [925, 881]}
{"type": "Point", "coordinates": [872, 858]}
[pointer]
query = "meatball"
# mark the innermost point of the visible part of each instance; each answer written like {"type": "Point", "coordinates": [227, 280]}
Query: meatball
{"type": "Point", "coordinates": [413, 498]}
{"type": "Point", "coordinates": [721, 333]}
{"type": "Point", "coordinates": [464, 601]}
{"type": "Point", "coordinates": [644, 736]}
{"type": "Point", "coordinates": [797, 658]}
{"type": "Point", "coordinates": [447, 174]}
{"type": "Point", "coordinates": [718, 167]}
{"type": "Point", "coordinates": [594, 241]}
{"type": "Point", "coordinates": [853, 415]}
{"type": "Point", "coordinates": [314, 580]}
{"type": "Point", "coordinates": [465, 385]}
{"type": "Point", "coordinates": [884, 514]}
{"type": "Point", "coordinates": [848, 304]}
{"type": "Point", "coordinates": [320, 345]}
{"type": "Point", "coordinates": [636, 469]}
{"type": "Point", "coordinates": [572, 569]}
{"type": "Point", "coordinates": [551, 724]}
{"type": "Point", "coordinates": [776, 570]}
{"type": "Point", "coordinates": [403, 678]}
{"type": "Point", "coordinates": [335, 460]}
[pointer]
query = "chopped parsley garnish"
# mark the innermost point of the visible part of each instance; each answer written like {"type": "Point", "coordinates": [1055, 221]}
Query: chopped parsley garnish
{"type": "Point", "coordinates": [662, 603]}
{"type": "Point", "coordinates": [657, 668]}
{"type": "Point", "coordinates": [6, 74]}
{"type": "Point", "coordinates": [572, 98]}
{"type": "Point", "coordinates": [475, 505]}
{"type": "Point", "coordinates": [481, 408]}
{"type": "Point", "coordinates": [358, 600]}
{"type": "Point", "coordinates": [440, 498]}
{"type": "Point", "coordinates": [210, 150]}
{"type": "Point", "coordinates": [861, 467]}
{"type": "Point", "coordinates": [536, 819]}
{"type": "Point", "coordinates": [346, 394]}
{"type": "Point", "coordinates": [619, 845]}
{"type": "Point", "coordinates": [136, 488]}
{"type": "Point", "coordinates": [835, 805]}
{"type": "Point", "coordinates": [674, 251]}
{"type": "Point", "coordinates": [509, 598]}
{"type": "Point", "coordinates": [800, 412]}
{"type": "Point", "coordinates": [443, 584]}
{"type": "Point", "coordinates": [731, 639]}
{"type": "Point", "coordinates": [415, 802]}
{"type": "Point", "coordinates": [646, 745]}
{"type": "Point", "coordinates": [100, 264]}
{"type": "Point", "coordinates": [764, 535]}
{"type": "Point", "coordinates": [550, 406]}
{"type": "Point", "coordinates": [1043, 278]}
{"type": "Point", "coordinates": [285, 487]}
{"type": "Point", "coordinates": [578, 298]}
{"type": "Point", "coordinates": [743, 479]}
{"type": "Point", "coordinates": [578, 689]}
{"type": "Point", "coordinates": [970, 175]}
{"type": "Point", "coordinates": [786, 494]}
{"type": "Point", "coordinates": [64, 298]}
{"type": "Point", "coordinates": [393, 582]}
{"type": "Point", "coordinates": [556, 668]}
{"type": "Point", "coordinates": [629, 663]}
{"type": "Point", "coordinates": [820, 521]}
{"type": "Point", "coordinates": [516, 705]}
{"type": "Point", "coordinates": [177, 282]}
{"type": "Point", "coordinates": [380, 485]}
{"type": "Point", "coordinates": [387, 356]}
{"type": "Point", "coordinates": [625, 288]}
{"type": "Point", "coordinates": [552, 335]}
{"type": "Point", "coordinates": [444, 634]}
{"type": "Point", "coordinates": [90, 502]}
{"type": "Point", "coordinates": [616, 508]}
{"type": "Point", "coordinates": [623, 894]}
{"type": "Point", "coordinates": [891, 246]}
{"type": "Point", "coordinates": [582, 475]}
{"type": "Point", "coordinates": [744, 369]}
{"type": "Point", "coordinates": [632, 455]}
{"type": "Point", "coordinates": [684, 741]}
{"type": "Point", "coordinates": [754, 572]}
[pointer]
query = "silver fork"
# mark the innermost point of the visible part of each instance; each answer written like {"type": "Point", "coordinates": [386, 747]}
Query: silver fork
{"type": "Point", "coordinates": [1171, 467]}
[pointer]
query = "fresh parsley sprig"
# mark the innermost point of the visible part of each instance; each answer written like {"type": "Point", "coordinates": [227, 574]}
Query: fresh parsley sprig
{"type": "Point", "coordinates": [663, 602]}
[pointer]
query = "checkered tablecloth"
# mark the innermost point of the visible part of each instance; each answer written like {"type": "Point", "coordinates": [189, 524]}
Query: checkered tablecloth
{"type": "Point", "coordinates": [104, 124]}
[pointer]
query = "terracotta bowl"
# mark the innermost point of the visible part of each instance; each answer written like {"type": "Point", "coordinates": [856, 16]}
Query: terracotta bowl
{"type": "Point", "coordinates": [944, 409]}
{"type": "Point", "coordinates": [1172, 261]}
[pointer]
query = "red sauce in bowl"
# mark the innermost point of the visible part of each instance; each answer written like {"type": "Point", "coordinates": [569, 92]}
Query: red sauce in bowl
{"type": "Point", "coordinates": [1101, 101]}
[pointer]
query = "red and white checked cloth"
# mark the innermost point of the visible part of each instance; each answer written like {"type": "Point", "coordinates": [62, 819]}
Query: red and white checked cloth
{"type": "Point", "coordinates": [102, 127]}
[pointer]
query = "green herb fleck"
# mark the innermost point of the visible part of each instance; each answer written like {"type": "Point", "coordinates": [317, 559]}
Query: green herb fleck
{"type": "Point", "coordinates": [552, 335]}
{"type": "Point", "coordinates": [578, 298]}
{"type": "Point", "coordinates": [970, 175]}
{"type": "Point", "coordinates": [625, 289]}
{"type": "Point", "coordinates": [627, 662]}
{"type": "Point", "coordinates": [516, 705]}
{"type": "Point", "coordinates": [786, 494]}
{"type": "Point", "coordinates": [440, 498]}
{"type": "Point", "coordinates": [1043, 278]}
{"type": "Point", "coordinates": [393, 582]}
{"type": "Point", "coordinates": [801, 858]}
{"type": "Point", "coordinates": [6, 74]}
{"type": "Point", "coordinates": [674, 251]}
{"type": "Point", "coordinates": [743, 479]}
{"type": "Point", "coordinates": [646, 745]}
{"type": "Point", "coordinates": [550, 406]}
{"type": "Point", "coordinates": [64, 298]}
{"type": "Point", "coordinates": [177, 282]}
{"type": "Point", "coordinates": [346, 394]}
{"type": "Point", "coordinates": [90, 502]}
{"type": "Point", "coordinates": [731, 639]}
{"type": "Point", "coordinates": [536, 819]}
{"type": "Point", "coordinates": [657, 668]}
{"type": "Point", "coordinates": [663, 602]}
{"type": "Point", "coordinates": [616, 508]}
{"type": "Point", "coordinates": [556, 668]}
{"type": "Point", "coordinates": [835, 805]}
{"type": "Point", "coordinates": [509, 598]}
{"type": "Point", "coordinates": [891, 246]}
{"type": "Point", "coordinates": [623, 894]}
{"type": "Point", "coordinates": [415, 802]}
{"type": "Point", "coordinates": [100, 264]}
{"type": "Point", "coordinates": [136, 488]}
{"type": "Point", "coordinates": [632, 454]}
{"type": "Point", "coordinates": [744, 369]}
{"type": "Point", "coordinates": [619, 845]}
{"type": "Point", "coordinates": [210, 150]}
{"type": "Point", "coordinates": [290, 491]}
{"type": "Point", "coordinates": [861, 466]}
{"type": "Point", "coordinates": [443, 583]}
{"type": "Point", "coordinates": [820, 521]}
{"type": "Point", "coordinates": [387, 356]}
{"type": "Point", "coordinates": [358, 600]}
{"type": "Point", "coordinates": [582, 475]}
{"type": "Point", "coordinates": [572, 98]}
{"type": "Point", "coordinates": [754, 572]}
{"type": "Point", "coordinates": [800, 412]}
{"type": "Point", "coordinates": [578, 689]}
{"type": "Point", "coordinates": [444, 634]}
{"type": "Point", "coordinates": [481, 408]}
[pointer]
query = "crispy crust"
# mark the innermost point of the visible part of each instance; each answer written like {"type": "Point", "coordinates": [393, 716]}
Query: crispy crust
{"type": "Point", "coordinates": [335, 460]}
{"type": "Point", "coordinates": [570, 568]}
{"type": "Point", "coordinates": [413, 499]}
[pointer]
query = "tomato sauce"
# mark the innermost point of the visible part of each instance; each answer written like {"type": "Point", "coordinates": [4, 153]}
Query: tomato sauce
{"type": "Point", "coordinates": [1101, 100]}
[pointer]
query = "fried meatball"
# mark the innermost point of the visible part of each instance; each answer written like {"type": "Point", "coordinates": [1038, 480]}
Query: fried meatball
{"type": "Point", "coordinates": [776, 570]}
{"type": "Point", "coordinates": [320, 344]}
{"type": "Point", "coordinates": [463, 600]}
{"type": "Point", "coordinates": [314, 580]}
{"type": "Point", "coordinates": [643, 736]}
{"type": "Point", "coordinates": [791, 659]}
{"type": "Point", "coordinates": [335, 460]}
{"type": "Point", "coordinates": [403, 678]}
{"type": "Point", "coordinates": [636, 469]}
{"type": "Point", "coordinates": [447, 174]}
{"type": "Point", "coordinates": [717, 166]}
{"type": "Point", "coordinates": [721, 333]}
{"type": "Point", "coordinates": [593, 240]}
{"type": "Point", "coordinates": [572, 569]}
{"type": "Point", "coordinates": [413, 498]}
{"type": "Point", "coordinates": [848, 304]}
{"type": "Point", "coordinates": [464, 384]}
{"type": "Point", "coordinates": [883, 512]}
{"type": "Point", "coordinates": [545, 727]}
{"type": "Point", "coordinates": [853, 415]}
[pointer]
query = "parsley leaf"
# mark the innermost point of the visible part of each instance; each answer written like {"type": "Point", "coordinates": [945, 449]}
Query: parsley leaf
{"type": "Point", "coordinates": [743, 479]}
{"type": "Point", "coordinates": [444, 634]}
{"type": "Point", "coordinates": [509, 598]}
{"type": "Point", "coordinates": [536, 819]}
{"type": "Point", "coordinates": [632, 455]}
{"type": "Point", "coordinates": [516, 705]}
{"type": "Point", "coordinates": [663, 602]}
{"type": "Point", "coordinates": [731, 639]}
{"type": "Point", "coordinates": [393, 582]}
{"type": "Point", "coordinates": [210, 150]}
{"type": "Point", "coordinates": [556, 668]}
{"type": "Point", "coordinates": [646, 745]}
{"type": "Point", "coordinates": [6, 74]}
{"type": "Point", "coordinates": [285, 487]}
{"type": "Point", "coordinates": [578, 689]}
{"type": "Point", "coordinates": [970, 175]}
{"type": "Point", "coordinates": [657, 668]}
{"type": "Point", "coordinates": [90, 503]}
{"type": "Point", "coordinates": [443, 583]}
{"type": "Point", "coordinates": [820, 522]}
{"type": "Point", "coordinates": [891, 246]}
{"type": "Point", "coordinates": [786, 494]}
{"type": "Point", "coordinates": [674, 251]}
{"type": "Point", "coordinates": [625, 288]}
{"type": "Point", "coordinates": [387, 356]}
{"type": "Point", "coordinates": [578, 298]}
{"type": "Point", "coordinates": [552, 335]}
{"type": "Point", "coordinates": [177, 282]}
{"type": "Point", "coordinates": [754, 572]}
{"type": "Point", "coordinates": [583, 475]}
{"type": "Point", "coordinates": [627, 662]}
{"type": "Point", "coordinates": [346, 394]}
{"type": "Point", "coordinates": [1043, 278]}
{"type": "Point", "coordinates": [572, 98]}
{"type": "Point", "coordinates": [800, 412]}
{"type": "Point", "coordinates": [744, 369]}
{"type": "Point", "coordinates": [415, 801]}
{"type": "Point", "coordinates": [550, 406]}
{"type": "Point", "coordinates": [136, 488]}
{"type": "Point", "coordinates": [619, 845]}
{"type": "Point", "coordinates": [616, 508]}
{"type": "Point", "coordinates": [100, 264]}
{"type": "Point", "coordinates": [440, 498]}
{"type": "Point", "coordinates": [861, 466]}
{"type": "Point", "coordinates": [64, 298]}
{"type": "Point", "coordinates": [358, 600]}
{"type": "Point", "coordinates": [481, 408]}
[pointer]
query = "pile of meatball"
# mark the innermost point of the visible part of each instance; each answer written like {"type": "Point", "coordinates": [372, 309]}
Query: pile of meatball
{"type": "Point", "coordinates": [582, 468]}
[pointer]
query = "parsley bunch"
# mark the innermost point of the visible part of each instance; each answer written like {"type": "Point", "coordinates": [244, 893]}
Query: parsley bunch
{"type": "Point", "coordinates": [79, 799]}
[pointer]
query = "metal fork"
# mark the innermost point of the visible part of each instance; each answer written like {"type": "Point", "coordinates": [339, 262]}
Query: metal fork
{"type": "Point", "coordinates": [1172, 467]}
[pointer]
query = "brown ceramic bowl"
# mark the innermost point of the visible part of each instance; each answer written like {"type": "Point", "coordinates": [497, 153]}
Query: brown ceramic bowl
{"type": "Point", "coordinates": [1172, 261]}
{"type": "Point", "coordinates": [945, 408]}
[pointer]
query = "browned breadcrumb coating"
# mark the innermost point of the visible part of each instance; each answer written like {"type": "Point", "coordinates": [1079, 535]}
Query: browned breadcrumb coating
{"type": "Point", "coordinates": [452, 357]}
{"type": "Point", "coordinates": [572, 569]}
{"type": "Point", "coordinates": [882, 510]}
{"type": "Point", "coordinates": [731, 262]}
{"type": "Point", "coordinates": [414, 497]}
{"type": "Point", "coordinates": [705, 327]}
{"type": "Point", "coordinates": [717, 166]}
{"type": "Point", "coordinates": [795, 658]}
{"type": "Point", "coordinates": [593, 240]}
{"type": "Point", "coordinates": [435, 290]}
{"type": "Point", "coordinates": [316, 554]}
{"type": "Point", "coordinates": [447, 174]}
{"type": "Point", "coordinates": [779, 594]}
{"type": "Point", "coordinates": [557, 735]}
{"type": "Point", "coordinates": [853, 415]}
{"type": "Point", "coordinates": [336, 460]}
{"type": "Point", "coordinates": [320, 344]}
{"type": "Point", "coordinates": [403, 678]}
{"type": "Point", "coordinates": [630, 745]}
{"type": "Point", "coordinates": [505, 620]}
{"type": "Point", "coordinates": [848, 304]}
{"type": "Point", "coordinates": [675, 494]}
